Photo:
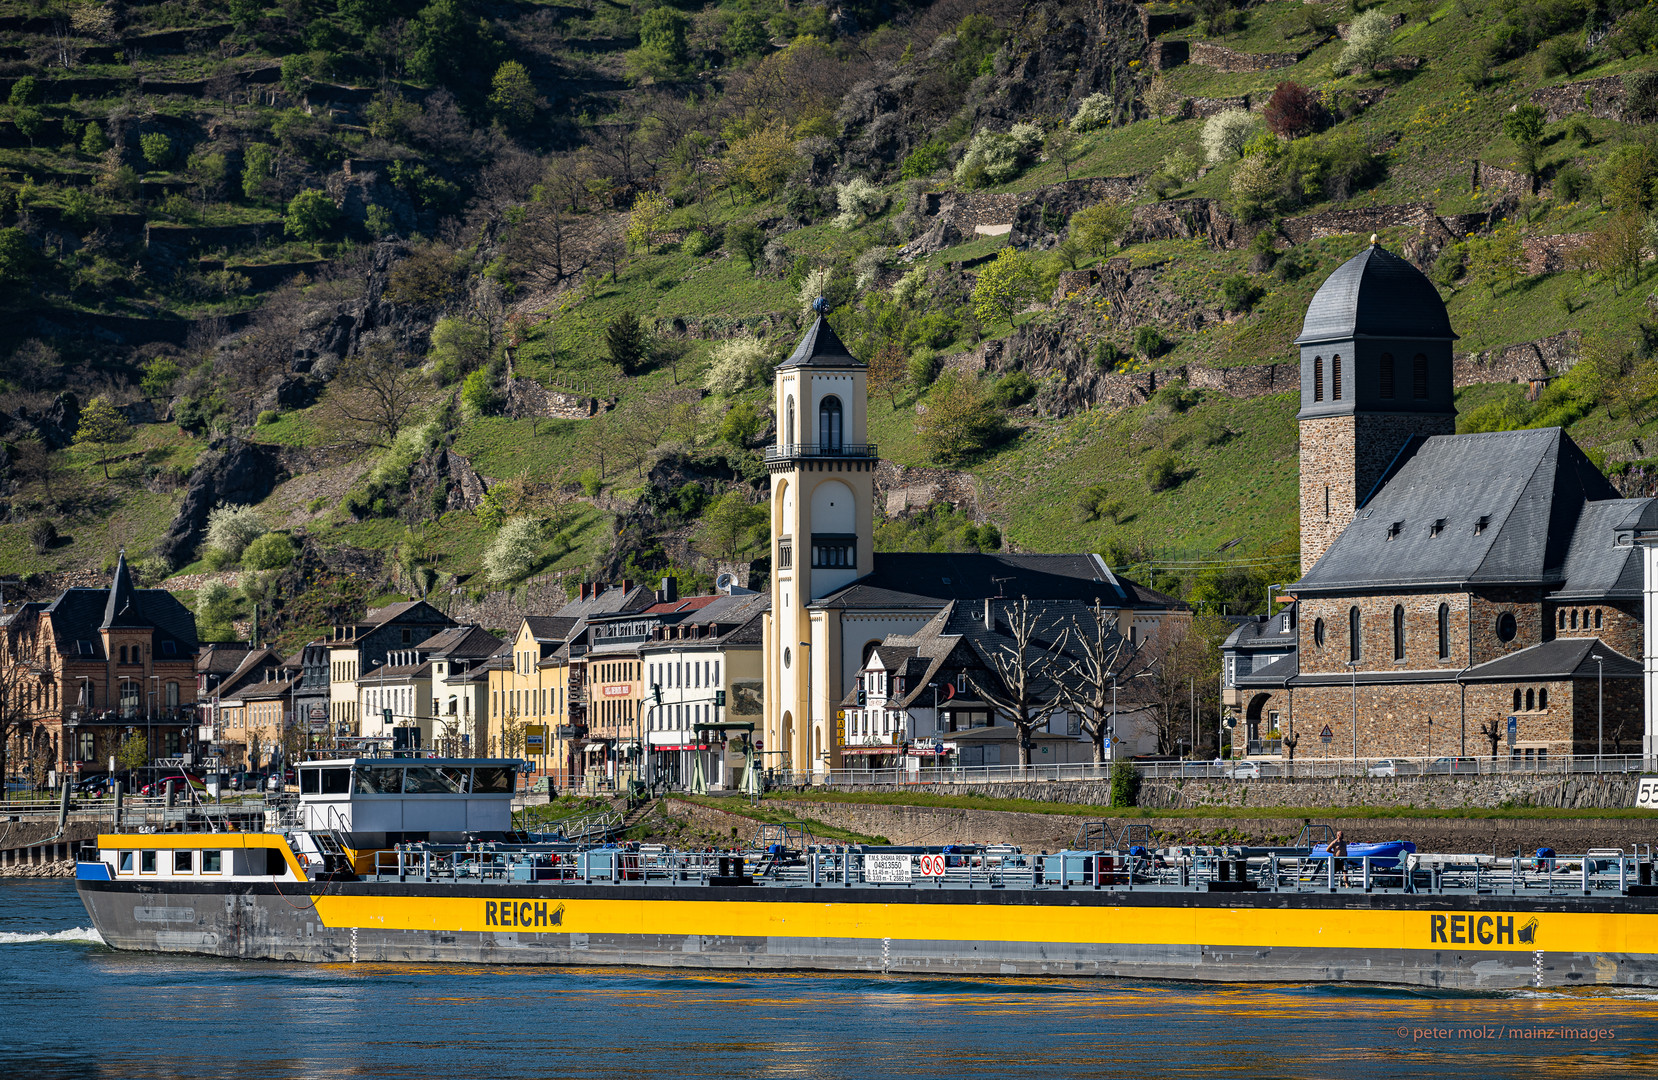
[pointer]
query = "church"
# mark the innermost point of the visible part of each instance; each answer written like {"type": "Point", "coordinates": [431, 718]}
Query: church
{"type": "Point", "coordinates": [835, 600]}
{"type": "Point", "coordinates": [1460, 595]}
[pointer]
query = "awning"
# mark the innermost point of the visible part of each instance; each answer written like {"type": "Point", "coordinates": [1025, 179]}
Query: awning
{"type": "Point", "coordinates": [926, 752]}
{"type": "Point", "coordinates": [869, 751]}
{"type": "Point", "coordinates": [687, 746]}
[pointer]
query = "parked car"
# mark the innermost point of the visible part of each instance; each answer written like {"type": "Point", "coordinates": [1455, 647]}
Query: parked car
{"type": "Point", "coordinates": [1385, 767]}
{"type": "Point", "coordinates": [92, 785]}
{"type": "Point", "coordinates": [1245, 770]}
{"type": "Point", "coordinates": [159, 787]}
{"type": "Point", "coordinates": [1454, 765]}
{"type": "Point", "coordinates": [19, 783]}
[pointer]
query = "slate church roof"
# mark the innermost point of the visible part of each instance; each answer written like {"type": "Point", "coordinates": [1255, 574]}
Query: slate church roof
{"type": "Point", "coordinates": [1494, 508]}
{"type": "Point", "coordinates": [927, 580]}
{"type": "Point", "coordinates": [821, 348]}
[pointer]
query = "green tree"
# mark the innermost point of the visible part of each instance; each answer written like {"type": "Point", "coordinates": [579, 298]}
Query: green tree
{"type": "Point", "coordinates": [513, 552]}
{"type": "Point", "coordinates": [159, 376]}
{"type": "Point", "coordinates": [133, 753]}
{"type": "Point", "coordinates": [741, 425]}
{"type": "Point", "coordinates": [93, 140]}
{"type": "Point", "coordinates": [273, 551]}
{"type": "Point", "coordinates": [17, 258]}
{"type": "Point", "coordinates": [157, 149]}
{"type": "Point", "coordinates": [746, 35]}
{"type": "Point", "coordinates": [478, 396]}
{"type": "Point", "coordinates": [215, 612]}
{"type": "Point", "coordinates": [662, 52]}
{"type": "Point", "coordinates": [960, 421]}
{"type": "Point", "coordinates": [512, 94]}
{"type": "Point", "coordinates": [648, 216]}
{"type": "Point", "coordinates": [310, 215]}
{"type": "Point", "coordinates": [29, 120]}
{"type": "Point", "coordinates": [730, 527]}
{"type": "Point", "coordinates": [1524, 126]}
{"type": "Point", "coordinates": [746, 240]}
{"type": "Point", "coordinates": [102, 427]}
{"type": "Point", "coordinates": [24, 91]}
{"type": "Point", "coordinates": [626, 341]}
{"type": "Point", "coordinates": [1004, 287]}
{"type": "Point", "coordinates": [377, 220]}
{"type": "Point", "coordinates": [258, 169]}
{"type": "Point", "coordinates": [1099, 226]}
{"type": "Point", "coordinates": [1496, 260]}
{"type": "Point", "coordinates": [762, 161]}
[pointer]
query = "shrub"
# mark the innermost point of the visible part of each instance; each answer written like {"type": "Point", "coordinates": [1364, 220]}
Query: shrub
{"type": "Point", "coordinates": [1571, 183]}
{"type": "Point", "coordinates": [1125, 784]}
{"type": "Point", "coordinates": [961, 421]}
{"type": "Point", "coordinates": [924, 161]}
{"type": "Point", "coordinates": [1293, 111]}
{"type": "Point", "coordinates": [1013, 389]}
{"type": "Point", "coordinates": [156, 148]}
{"type": "Point", "coordinates": [42, 535]}
{"type": "Point", "coordinates": [1563, 56]}
{"type": "Point", "coordinates": [273, 551]}
{"type": "Point", "coordinates": [701, 243]}
{"type": "Point", "coordinates": [459, 346]}
{"type": "Point", "coordinates": [1226, 133]}
{"type": "Point", "coordinates": [741, 425]}
{"type": "Point", "coordinates": [1149, 341]}
{"type": "Point", "coordinates": [266, 416]}
{"type": "Point", "coordinates": [1094, 111]}
{"type": "Point", "coordinates": [748, 241]}
{"type": "Point", "coordinates": [933, 330]}
{"type": "Point", "coordinates": [1448, 267]}
{"type": "Point", "coordinates": [1240, 291]}
{"type": "Point", "coordinates": [859, 200]}
{"type": "Point", "coordinates": [997, 157]}
{"type": "Point", "coordinates": [93, 140]}
{"type": "Point", "coordinates": [1099, 226]}
{"type": "Point", "coordinates": [215, 608]}
{"type": "Point", "coordinates": [231, 528]}
{"type": "Point", "coordinates": [1162, 473]}
{"type": "Point", "coordinates": [591, 482]}
{"type": "Point", "coordinates": [908, 288]}
{"type": "Point", "coordinates": [923, 368]}
{"type": "Point", "coordinates": [737, 363]}
{"type": "Point", "coordinates": [1368, 41]}
{"type": "Point", "coordinates": [478, 395]}
{"type": "Point", "coordinates": [512, 554]}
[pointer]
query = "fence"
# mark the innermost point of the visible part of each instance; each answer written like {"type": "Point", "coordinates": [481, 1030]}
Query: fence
{"type": "Point", "coordinates": [1300, 768]}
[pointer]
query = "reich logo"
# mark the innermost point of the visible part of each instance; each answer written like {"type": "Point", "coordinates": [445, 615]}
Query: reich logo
{"type": "Point", "coordinates": [1479, 930]}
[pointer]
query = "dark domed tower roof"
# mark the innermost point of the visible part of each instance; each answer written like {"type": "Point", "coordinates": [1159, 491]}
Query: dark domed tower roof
{"type": "Point", "coordinates": [821, 348]}
{"type": "Point", "coordinates": [1375, 294]}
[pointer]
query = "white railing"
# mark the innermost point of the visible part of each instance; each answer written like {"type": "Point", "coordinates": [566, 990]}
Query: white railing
{"type": "Point", "coordinates": [1300, 768]}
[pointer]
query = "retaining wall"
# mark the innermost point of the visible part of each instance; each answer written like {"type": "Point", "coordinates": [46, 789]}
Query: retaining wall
{"type": "Point", "coordinates": [1221, 58]}
{"type": "Point", "coordinates": [1602, 98]}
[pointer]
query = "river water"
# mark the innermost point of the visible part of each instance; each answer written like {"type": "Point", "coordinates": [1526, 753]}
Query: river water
{"type": "Point", "coordinates": [72, 1009]}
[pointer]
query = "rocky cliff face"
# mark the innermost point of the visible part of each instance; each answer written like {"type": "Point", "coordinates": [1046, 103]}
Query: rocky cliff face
{"type": "Point", "coordinates": [231, 471]}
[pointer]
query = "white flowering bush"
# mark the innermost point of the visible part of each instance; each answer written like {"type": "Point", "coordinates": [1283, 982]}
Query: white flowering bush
{"type": "Point", "coordinates": [511, 555]}
{"type": "Point", "coordinates": [737, 363]}
{"type": "Point", "coordinates": [1094, 111]}
{"type": "Point", "coordinates": [995, 157]}
{"type": "Point", "coordinates": [1368, 42]}
{"type": "Point", "coordinates": [231, 528]}
{"type": "Point", "coordinates": [1225, 133]}
{"type": "Point", "coordinates": [869, 265]}
{"type": "Point", "coordinates": [859, 200]}
{"type": "Point", "coordinates": [907, 289]}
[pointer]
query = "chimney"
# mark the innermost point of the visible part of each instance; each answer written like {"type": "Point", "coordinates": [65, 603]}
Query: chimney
{"type": "Point", "coordinates": [627, 585]}
{"type": "Point", "coordinates": [670, 590]}
{"type": "Point", "coordinates": [989, 617]}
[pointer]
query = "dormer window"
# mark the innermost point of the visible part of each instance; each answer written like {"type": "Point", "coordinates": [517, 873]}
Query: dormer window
{"type": "Point", "coordinates": [1437, 527]}
{"type": "Point", "coordinates": [1395, 529]}
{"type": "Point", "coordinates": [1481, 525]}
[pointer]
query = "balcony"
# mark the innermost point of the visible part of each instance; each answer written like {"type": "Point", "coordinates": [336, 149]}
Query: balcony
{"type": "Point", "coordinates": [790, 451]}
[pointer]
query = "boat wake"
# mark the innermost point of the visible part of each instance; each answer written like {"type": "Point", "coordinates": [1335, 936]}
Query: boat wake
{"type": "Point", "coordinates": [79, 933]}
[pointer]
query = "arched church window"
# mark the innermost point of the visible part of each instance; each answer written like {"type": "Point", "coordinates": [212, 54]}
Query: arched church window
{"type": "Point", "coordinates": [1419, 377]}
{"type": "Point", "coordinates": [1597, 618]}
{"type": "Point", "coordinates": [1543, 698]}
{"type": "Point", "coordinates": [788, 422]}
{"type": "Point", "coordinates": [1385, 371]}
{"type": "Point", "coordinates": [1353, 634]}
{"type": "Point", "coordinates": [1318, 632]}
{"type": "Point", "coordinates": [1318, 378]}
{"type": "Point", "coordinates": [1562, 618]}
{"type": "Point", "coordinates": [1444, 631]}
{"type": "Point", "coordinates": [1335, 377]}
{"type": "Point", "coordinates": [1574, 618]}
{"type": "Point", "coordinates": [829, 424]}
{"type": "Point", "coordinates": [1398, 632]}
{"type": "Point", "coordinates": [1531, 700]}
{"type": "Point", "coordinates": [1517, 700]}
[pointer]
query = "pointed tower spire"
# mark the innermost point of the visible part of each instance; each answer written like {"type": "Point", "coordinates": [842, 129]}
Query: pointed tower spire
{"type": "Point", "coordinates": [120, 603]}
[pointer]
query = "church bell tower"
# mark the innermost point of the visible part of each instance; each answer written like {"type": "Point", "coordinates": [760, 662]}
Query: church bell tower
{"type": "Point", "coordinates": [822, 538]}
{"type": "Point", "coordinates": [1375, 374]}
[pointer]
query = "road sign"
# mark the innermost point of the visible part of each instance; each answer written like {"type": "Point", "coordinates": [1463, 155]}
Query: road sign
{"type": "Point", "coordinates": [931, 865]}
{"type": "Point", "coordinates": [1513, 729]}
{"type": "Point", "coordinates": [1107, 744]}
{"type": "Point", "coordinates": [1326, 733]}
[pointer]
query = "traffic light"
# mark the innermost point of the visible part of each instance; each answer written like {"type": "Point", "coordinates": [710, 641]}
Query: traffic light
{"type": "Point", "coordinates": [862, 697]}
{"type": "Point", "coordinates": [719, 699]}
{"type": "Point", "coordinates": [656, 692]}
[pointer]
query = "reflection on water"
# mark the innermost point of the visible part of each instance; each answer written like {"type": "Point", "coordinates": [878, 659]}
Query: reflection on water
{"type": "Point", "coordinates": [73, 1009]}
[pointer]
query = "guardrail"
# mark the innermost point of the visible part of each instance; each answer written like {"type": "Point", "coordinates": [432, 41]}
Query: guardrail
{"type": "Point", "coordinates": [1246, 769]}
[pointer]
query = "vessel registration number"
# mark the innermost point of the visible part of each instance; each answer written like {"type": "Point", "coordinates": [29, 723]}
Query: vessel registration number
{"type": "Point", "coordinates": [1646, 796]}
{"type": "Point", "coordinates": [887, 869]}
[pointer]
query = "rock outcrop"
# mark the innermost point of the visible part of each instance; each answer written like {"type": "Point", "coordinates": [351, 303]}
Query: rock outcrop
{"type": "Point", "coordinates": [231, 471]}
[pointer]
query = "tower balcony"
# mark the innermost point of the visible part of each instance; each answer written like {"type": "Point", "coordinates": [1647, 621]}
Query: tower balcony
{"type": "Point", "coordinates": [796, 451]}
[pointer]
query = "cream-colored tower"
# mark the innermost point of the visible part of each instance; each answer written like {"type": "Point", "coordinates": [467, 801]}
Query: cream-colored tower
{"type": "Point", "coordinates": [822, 538]}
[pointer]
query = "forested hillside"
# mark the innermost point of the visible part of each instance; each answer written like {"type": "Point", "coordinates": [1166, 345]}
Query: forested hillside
{"type": "Point", "coordinates": [311, 303]}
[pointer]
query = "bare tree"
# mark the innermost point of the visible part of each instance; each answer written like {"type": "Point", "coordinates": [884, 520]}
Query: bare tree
{"type": "Point", "coordinates": [1024, 687]}
{"type": "Point", "coordinates": [1094, 680]}
{"type": "Point", "coordinates": [1184, 677]}
{"type": "Point", "coordinates": [376, 389]}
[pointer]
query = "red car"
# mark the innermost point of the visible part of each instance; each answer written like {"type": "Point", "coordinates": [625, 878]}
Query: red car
{"type": "Point", "coordinates": [180, 783]}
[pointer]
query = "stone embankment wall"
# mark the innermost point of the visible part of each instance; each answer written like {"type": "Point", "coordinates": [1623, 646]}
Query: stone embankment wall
{"type": "Point", "coordinates": [903, 824]}
{"type": "Point", "coordinates": [904, 488]}
{"type": "Point", "coordinates": [527, 398]}
{"type": "Point", "coordinates": [1602, 98]}
{"type": "Point", "coordinates": [503, 610]}
{"type": "Point", "coordinates": [1221, 58]}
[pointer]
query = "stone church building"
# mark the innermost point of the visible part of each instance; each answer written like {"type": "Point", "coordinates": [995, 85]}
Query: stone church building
{"type": "Point", "coordinates": [1460, 595]}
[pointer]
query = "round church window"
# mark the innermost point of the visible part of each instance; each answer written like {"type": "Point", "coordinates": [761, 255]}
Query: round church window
{"type": "Point", "coordinates": [1506, 626]}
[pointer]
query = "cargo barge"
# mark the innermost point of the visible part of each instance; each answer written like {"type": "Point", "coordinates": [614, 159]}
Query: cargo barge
{"type": "Point", "coordinates": [415, 860]}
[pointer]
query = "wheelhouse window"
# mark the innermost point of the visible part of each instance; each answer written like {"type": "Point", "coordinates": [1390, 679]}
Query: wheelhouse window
{"type": "Point", "coordinates": [184, 862]}
{"type": "Point", "coordinates": [124, 863]}
{"type": "Point", "coordinates": [146, 862]}
{"type": "Point", "coordinates": [212, 862]}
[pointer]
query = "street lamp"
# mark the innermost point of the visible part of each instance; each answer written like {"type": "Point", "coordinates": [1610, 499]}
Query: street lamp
{"type": "Point", "coordinates": [1600, 708]}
